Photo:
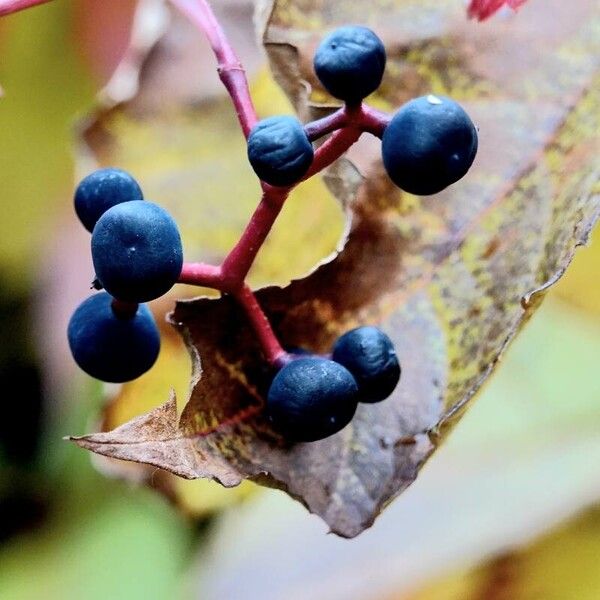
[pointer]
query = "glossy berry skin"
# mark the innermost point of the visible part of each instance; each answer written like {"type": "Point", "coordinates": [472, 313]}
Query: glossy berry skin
{"type": "Point", "coordinates": [350, 63]}
{"type": "Point", "coordinates": [311, 399]}
{"type": "Point", "coordinates": [279, 150]}
{"type": "Point", "coordinates": [429, 144]}
{"type": "Point", "coordinates": [102, 190]}
{"type": "Point", "coordinates": [369, 355]}
{"type": "Point", "coordinates": [109, 347]}
{"type": "Point", "coordinates": [136, 250]}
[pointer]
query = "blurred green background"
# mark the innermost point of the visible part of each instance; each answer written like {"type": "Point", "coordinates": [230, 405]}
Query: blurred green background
{"type": "Point", "coordinates": [522, 462]}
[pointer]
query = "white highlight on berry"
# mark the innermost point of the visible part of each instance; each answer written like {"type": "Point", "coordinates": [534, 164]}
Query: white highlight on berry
{"type": "Point", "coordinates": [433, 99]}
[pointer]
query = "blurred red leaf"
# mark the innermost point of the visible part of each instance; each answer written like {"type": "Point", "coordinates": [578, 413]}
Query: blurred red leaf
{"type": "Point", "coordinates": [103, 32]}
{"type": "Point", "coordinates": [483, 9]}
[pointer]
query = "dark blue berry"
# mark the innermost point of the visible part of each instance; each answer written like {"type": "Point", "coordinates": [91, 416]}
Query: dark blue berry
{"type": "Point", "coordinates": [311, 399]}
{"type": "Point", "coordinates": [279, 150]}
{"type": "Point", "coordinates": [350, 63]}
{"type": "Point", "coordinates": [429, 144]}
{"type": "Point", "coordinates": [112, 347]}
{"type": "Point", "coordinates": [369, 355]}
{"type": "Point", "coordinates": [100, 191]}
{"type": "Point", "coordinates": [137, 251]}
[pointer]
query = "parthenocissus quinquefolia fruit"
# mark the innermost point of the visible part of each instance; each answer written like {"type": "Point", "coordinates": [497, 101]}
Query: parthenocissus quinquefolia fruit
{"type": "Point", "coordinates": [427, 145]}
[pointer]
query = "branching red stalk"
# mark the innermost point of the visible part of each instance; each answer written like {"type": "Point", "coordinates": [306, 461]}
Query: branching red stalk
{"type": "Point", "coordinates": [239, 261]}
{"type": "Point", "coordinates": [373, 121]}
{"type": "Point", "coordinates": [345, 126]}
{"type": "Point", "coordinates": [229, 67]}
{"type": "Point", "coordinates": [362, 116]}
{"type": "Point", "coordinates": [8, 7]}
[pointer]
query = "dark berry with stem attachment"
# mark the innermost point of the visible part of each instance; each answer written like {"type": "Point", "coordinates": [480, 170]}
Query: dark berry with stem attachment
{"type": "Point", "coordinates": [369, 355]}
{"type": "Point", "coordinates": [136, 250]}
{"type": "Point", "coordinates": [429, 144]}
{"type": "Point", "coordinates": [311, 399]}
{"type": "Point", "coordinates": [350, 63]}
{"type": "Point", "coordinates": [113, 345]}
{"type": "Point", "coordinates": [102, 190]}
{"type": "Point", "coordinates": [279, 150]}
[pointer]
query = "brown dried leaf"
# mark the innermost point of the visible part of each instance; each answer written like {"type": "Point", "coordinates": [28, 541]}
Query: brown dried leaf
{"type": "Point", "coordinates": [450, 278]}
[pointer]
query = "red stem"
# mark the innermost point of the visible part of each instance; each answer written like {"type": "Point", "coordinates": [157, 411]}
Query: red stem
{"type": "Point", "coordinates": [211, 276]}
{"type": "Point", "coordinates": [271, 347]}
{"type": "Point", "coordinates": [10, 6]}
{"type": "Point", "coordinates": [373, 121]}
{"type": "Point", "coordinates": [317, 129]}
{"type": "Point", "coordinates": [332, 149]}
{"type": "Point", "coordinates": [346, 126]}
{"type": "Point", "coordinates": [230, 276]}
{"type": "Point", "coordinates": [229, 67]}
{"type": "Point", "coordinates": [238, 262]}
{"type": "Point", "coordinates": [203, 275]}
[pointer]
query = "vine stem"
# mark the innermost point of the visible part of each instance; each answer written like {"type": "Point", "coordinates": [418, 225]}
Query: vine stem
{"type": "Point", "coordinates": [345, 126]}
{"type": "Point", "coordinates": [272, 349]}
{"type": "Point", "coordinates": [229, 67]}
{"type": "Point", "coordinates": [202, 275]}
{"type": "Point", "coordinates": [239, 261]}
{"type": "Point", "coordinates": [373, 121]}
{"type": "Point", "coordinates": [8, 7]}
{"type": "Point", "coordinates": [336, 120]}
{"type": "Point", "coordinates": [362, 117]}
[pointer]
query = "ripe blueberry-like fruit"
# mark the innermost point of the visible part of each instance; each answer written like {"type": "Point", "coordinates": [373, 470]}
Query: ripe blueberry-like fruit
{"type": "Point", "coordinates": [369, 355]}
{"type": "Point", "coordinates": [350, 63]}
{"type": "Point", "coordinates": [279, 150]}
{"type": "Point", "coordinates": [136, 250]}
{"type": "Point", "coordinates": [110, 347]}
{"type": "Point", "coordinates": [429, 144]}
{"type": "Point", "coordinates": [100, 191]}
{"type": "Point", "coordinates": [311, 399]}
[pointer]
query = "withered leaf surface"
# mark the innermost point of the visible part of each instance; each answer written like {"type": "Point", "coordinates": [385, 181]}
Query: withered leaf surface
{"type": "Point", "coordinates": [451, 278]}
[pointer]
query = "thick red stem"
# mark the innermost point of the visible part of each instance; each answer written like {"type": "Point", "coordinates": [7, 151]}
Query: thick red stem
{"type": "Point", "coordinates": [362, 117]}
{"type": "Point", "coordinates": [238, 262]}
{"type": "Point", "coordinates": [229, 67]}
{"type": "Point", "coordinates": [373, 121]}
{"type": "Point", "coordinates": [232, 273]}
{"type": "Point", "coordinates": [332, 149]}
{"type": "Point", "coordinates": [271, 347]}
{"type": "Point", "coordinates": [203, 275]}
{"type": "Point", "coordinates": [346, 126]}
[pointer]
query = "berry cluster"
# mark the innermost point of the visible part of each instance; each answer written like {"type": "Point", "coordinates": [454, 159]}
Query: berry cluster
{"type": "Point", "coordinates": [428, 144]}
{"type": "Point", "coordinates": [137, 256]}
{"type": "Point", "coordinates": [313, 397]}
